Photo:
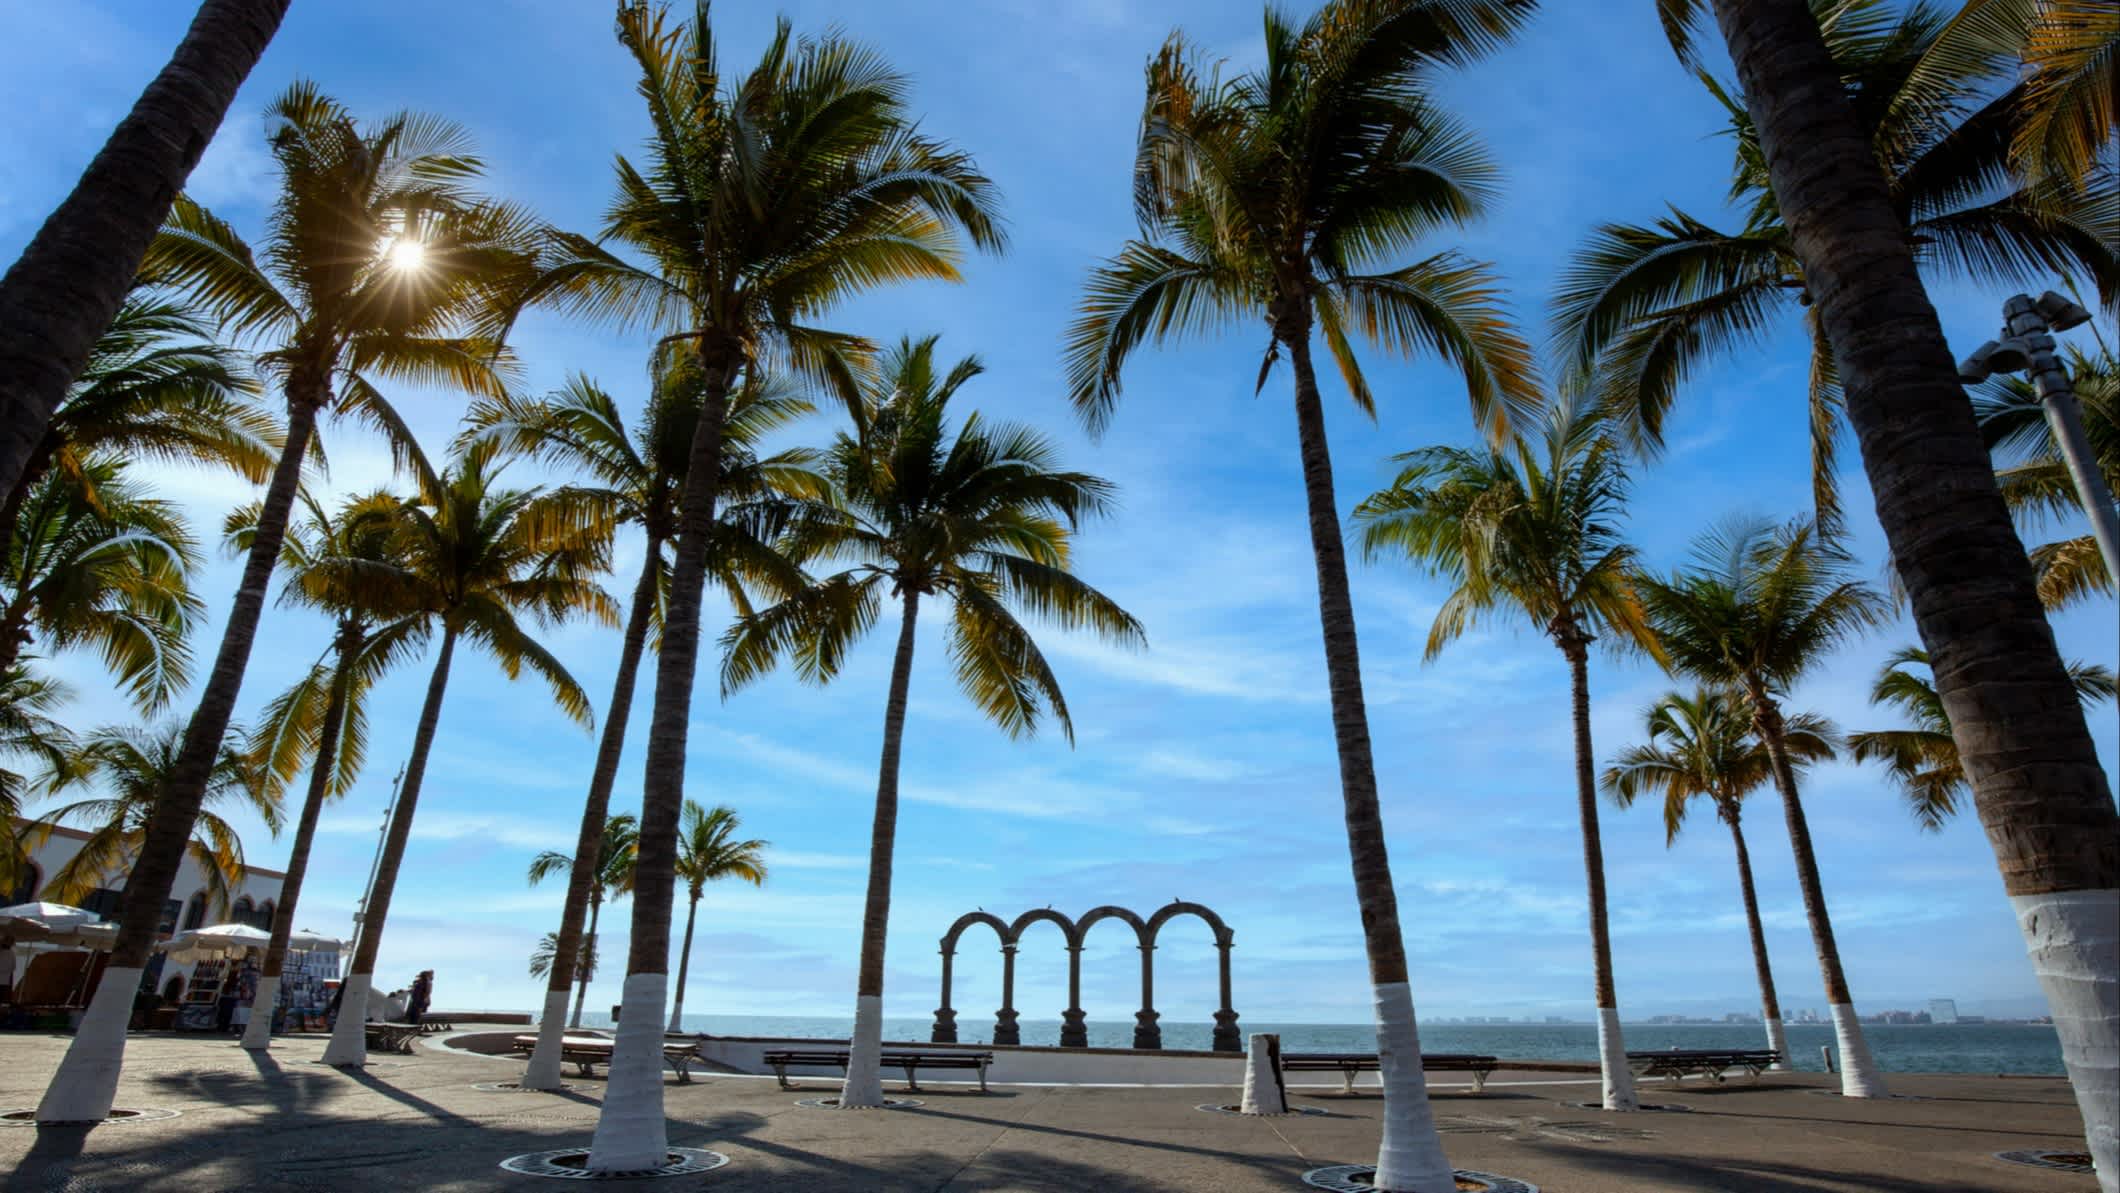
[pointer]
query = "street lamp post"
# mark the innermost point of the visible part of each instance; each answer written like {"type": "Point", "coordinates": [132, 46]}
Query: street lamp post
{"type": "Point", "coordinates": [2027, 345]}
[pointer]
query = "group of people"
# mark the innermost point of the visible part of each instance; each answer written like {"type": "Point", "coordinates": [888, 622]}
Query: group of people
{"type": "Point", "coordinates": [405, 1006]}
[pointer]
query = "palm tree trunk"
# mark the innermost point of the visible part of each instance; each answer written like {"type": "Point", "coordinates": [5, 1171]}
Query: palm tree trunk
{"type": "Point", "coordinates": [1611, 1042]}
{"type": "Point", "coordinates": [583, 972]}
{"type": "Point", "coordinates": [1858, 1073]}
{"type": "Point", "coordinates": [87, 1078]}
{"type": "Point", "coordinates": [2037, 784]}
{"type": "Point", "coordinates": [33, 469]}
{"type": "Point", "coordinates": [630, 1131]}
{"type": "Point", "coordinates": [543, 1071]}
{"type": "Point", "coordinates": [349, 1036]}
{"type": "Point", "coordinates": [258, 1035]}
{"type": "Point", "coordinates": [684, 966]}
{"type": "Point", "coordinates": [864, 1082]}
{"type": "Point", "coordinates": [1769, 1004]}
{"type": "Point", "coordinates": [1410, 1158]}
{"type": "Point", "coordinates": [68, 284]}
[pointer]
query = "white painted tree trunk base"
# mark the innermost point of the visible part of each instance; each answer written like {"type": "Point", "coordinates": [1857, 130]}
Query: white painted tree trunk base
{"type": "Point", "coordinates": [630, 1132]}
{"type": "Point", "coordinates": [257, 1036]}
{"type": "Point", "coordinates": [1778, 1040]}
{"type": "Point", "coordinates": [863, 1088]}
{"type": "Point", "coordinates": [86, 1083]}
{"type": "Point", "coordinates": [2073, 938]}
{"type": "Point", "coordinates": [1859, 1077]}
{"type": "Point", "coordinates": [349, 1036]}
{"type": "Point", "coordinates": [1612, 1061]}
{"type": "Point", "coordinates": [1410, 1158]}
{"type": "Point", "coordinates": [543, 1071]}
{"type": "Point", "coordinates": [1262, 1086]}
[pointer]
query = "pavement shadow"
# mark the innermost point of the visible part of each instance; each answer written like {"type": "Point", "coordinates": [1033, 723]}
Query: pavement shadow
{"type": "Point", "coordinates": [1740, 1176]}
{"type": "Point", "coordinates": [57, 1145]}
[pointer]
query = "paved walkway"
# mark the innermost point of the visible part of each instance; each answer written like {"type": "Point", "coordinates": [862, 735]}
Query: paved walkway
{"type": "Point", "coordinates": [415, 1122]}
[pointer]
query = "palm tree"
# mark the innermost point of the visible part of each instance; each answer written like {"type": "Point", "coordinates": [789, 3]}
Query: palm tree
{"type": "Point", "coordinates": [1702, 747]}
{"type": "Point", "coordinates": [2037, 782]}
{"type": "Point", "coordinates": [27, 731]}
{"type": "Point", "coordinates": [977, 516]}
{"type": "Point", "coordinates": [1758, 608]}
{"type": "Point", "coordinates": [541, 957]}
{"type": "Point", "coordinates": [1296, 192]}
{"type": "Point", "coordinates": [1644, 307]}
{"type": "Point", "coordinates": [341, 563]}
{"type": "Point", "coordinates": [155, 387]}
{"type": "Point", "coordinates": [616, 850]}
{"type": "Point", "coordinates": [2035, 482]}
{"type": "Point", "coordinates": [768, 198]}
{"type": "Point", "coordinates": [707, 851]}
{"type": "Point", "coordinates": [131, 764]}
{"type": "Point", "coordinates": [377, 255]}
{"type": "Point", "coordinates": [639, 479]}
{"type": "Point", "coordinates": [2072, 51]}
{"type": "Point", "coordinates": [1923, 761]}
{"type": "Point", "coordinates": [107, 568]}
{"type": "Point", "coordinates": [1532, 532]}
{"type": "Point", "coordinates": [478, 559]}
{"type": "Point", "coordinates": [71, 280]}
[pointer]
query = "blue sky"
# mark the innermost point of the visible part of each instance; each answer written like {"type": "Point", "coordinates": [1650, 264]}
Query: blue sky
{"type": "Point", "coordinates": [1203, 767]}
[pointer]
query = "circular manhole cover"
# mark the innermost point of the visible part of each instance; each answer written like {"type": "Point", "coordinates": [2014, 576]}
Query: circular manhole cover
{"type": "Point", "coordinates": [1211, 1108]}
{"type": "Point", "coordinates": [833, 1104]}
{"type": "Point", "coordinates": [117, 1116]}
{"type": "Point", "coordinates": [572, 1164]}
{"type": "Point", "coordinates": [1359, 1178]}
{"type": "Point", "coordinates": [2040, 1157]}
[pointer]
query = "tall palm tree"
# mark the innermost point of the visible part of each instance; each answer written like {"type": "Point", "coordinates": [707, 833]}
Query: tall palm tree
{"type": "Point", "coordinates": [1645, 307]}
{"type": "Point", "coordinates": [2035, 482]}
{"type": "Point", "coordinates": [377, 254]}
{"type": "Point", "coordinates": [542, 957]}
{"type": "Point", "coordinates": [639, 479]}
{"type": "Point", "coordinates": [1923, 761]}
{"type": "Point", "coordinates": [616, 850]}
{"type": "Point", "coordinates": [478, 559]}
{"type": "Point", "coordinates": [767, 199]}
{"type": "Point", "coordinates": [1532, 532]}
{"type": "Point", "coordinates": [977, 516]}
{"type": "Point", "coordinates": [29, 738]}
{"type": "Point", "coordinates": [71, 280]}
{"type": "Point", "coordinates": [130, 764]}
{"type": "Point", "coordinates": [341, 563]}
{"type": "Point", "coordinates": [2042, 796]}
{"type": "Point", "coordinates": [2070, 53]}
{"type": "Point", "coordinates": [707, 851]}
{"type": "Point", "coordinates": [106, 568]}
{"type": "Point", "coordinates": [1701, 746]}
{"type": "Point", "coordinates": [155, 387]}
{"type": "Point", "coordinates": [1758, 607]}
{"type": "Point", "coordinates": [1296, 192]}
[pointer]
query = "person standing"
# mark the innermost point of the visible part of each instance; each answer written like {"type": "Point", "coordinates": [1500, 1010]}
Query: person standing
{"type": "Point", "coordinates": [422, 996]}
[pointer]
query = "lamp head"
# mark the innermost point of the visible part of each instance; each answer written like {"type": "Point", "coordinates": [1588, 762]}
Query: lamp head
{"type": "Point", "coordinates": [2060, 313]}
{"type": "Point", "coordinates": [1995, 356]}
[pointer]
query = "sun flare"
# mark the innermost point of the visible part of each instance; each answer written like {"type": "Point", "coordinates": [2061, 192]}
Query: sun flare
{"type": "Point", "coordinates": [405, 253]}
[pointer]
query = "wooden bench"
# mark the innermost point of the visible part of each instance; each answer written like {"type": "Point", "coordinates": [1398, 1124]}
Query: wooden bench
{"type": "Point", "coordinates": [392, 1037]}
{"type": "Point", "coordinates": [907, 1062]}
{"type": "Point", "coordinates": [1347, 1064]}
{"type": "Point", "coordinates": [587, 1052]}
{"type": "Point", "coordinates": [1681, 1063]}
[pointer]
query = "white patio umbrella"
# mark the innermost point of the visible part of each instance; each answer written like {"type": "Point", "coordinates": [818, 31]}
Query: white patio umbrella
{"type": "Point", "coordinates": [51, 923]}
{"type": "Point", "coordinates": [214, 942]}
{"type": "Point", "coordinates": [307, 941]}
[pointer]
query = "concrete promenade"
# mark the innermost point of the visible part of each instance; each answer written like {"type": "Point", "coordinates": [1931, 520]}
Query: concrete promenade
{"type": "Point", "coordinates": [415, 1122]}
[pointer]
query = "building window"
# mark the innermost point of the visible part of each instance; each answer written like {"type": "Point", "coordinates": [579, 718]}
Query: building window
{"type": "Point", "coordinates": [104, 902]}
{"type": "Point", "coordinates": [24, 891]}
{"type": "Point", "coordinates": [241, 912]}
{"type": "Point", "coordinates": [168, 923]}
{"type": "Point", "coordinates": [195, 911]}
{"type": "Point", "coordinates": [265, 913]}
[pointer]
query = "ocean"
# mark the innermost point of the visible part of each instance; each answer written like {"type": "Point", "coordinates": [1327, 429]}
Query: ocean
{"type": "Point", "coordinates": [1908, 1048]}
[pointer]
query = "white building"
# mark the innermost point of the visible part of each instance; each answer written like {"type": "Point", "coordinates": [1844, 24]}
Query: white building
{"type": "Point", "coordinates": [252, 902]}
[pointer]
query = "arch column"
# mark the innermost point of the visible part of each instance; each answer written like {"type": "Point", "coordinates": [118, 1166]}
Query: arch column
{"type": "Point", "coordinates": [1146, 1033]}
{"type": "Point", "coordinates": [1074, 1032]}
{"type": "Point", "coordinates": [1226, 1037]}
{"type": "Point", "coordinates": [1005, 1030]}
{"type": "Point", "coordinates": [945, 1017]}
